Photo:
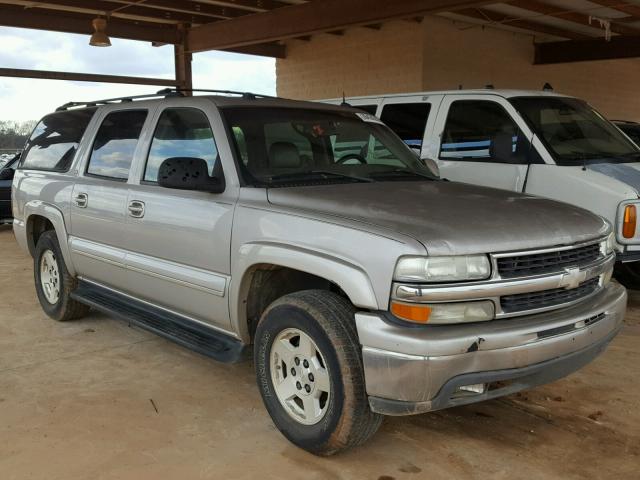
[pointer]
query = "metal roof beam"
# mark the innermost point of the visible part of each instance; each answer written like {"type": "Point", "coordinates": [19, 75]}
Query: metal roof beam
{"type": "Point", "coordinates": [310, 18]}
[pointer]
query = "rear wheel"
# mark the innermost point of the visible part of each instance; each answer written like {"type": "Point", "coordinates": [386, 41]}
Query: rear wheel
{"type": "Point", "coordinates": [310, 373]}
{"type": "Point", "coordinates": [54, 283]}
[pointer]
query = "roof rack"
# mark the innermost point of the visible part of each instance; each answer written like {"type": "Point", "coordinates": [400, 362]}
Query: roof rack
{"type": "Point", "coordinates": [165, 92]}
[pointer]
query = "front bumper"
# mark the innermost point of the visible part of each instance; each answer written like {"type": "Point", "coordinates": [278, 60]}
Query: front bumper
{"type": "Point", "coordinates": [414, 370]}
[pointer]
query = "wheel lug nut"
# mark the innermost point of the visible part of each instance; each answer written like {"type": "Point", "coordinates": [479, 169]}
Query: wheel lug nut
{"type": "Point", "coordinates": [297, 360]}
{"type": "Point", "coordinates": [293, 371]}
{"type": "Point", "coordinates": [298, 386]}
{"type": "Point", "coordinates": [307, 388]}
{"type": "Point", "coordinates": [306, 364]}
{"type": "Point", "coordinates": [311, 377]}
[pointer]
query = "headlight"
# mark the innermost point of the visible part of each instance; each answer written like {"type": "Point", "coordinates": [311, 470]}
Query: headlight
{"type": "Point", "coordinates": [444, 313]}
{"type": "Point", "coordinates": [607, 246]}
{"type": "Point", "coordinates": [442, 269]}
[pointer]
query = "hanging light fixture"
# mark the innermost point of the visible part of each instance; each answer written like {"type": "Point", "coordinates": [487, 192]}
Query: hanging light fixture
{"type": "Point", "coordinates": [99, 37]}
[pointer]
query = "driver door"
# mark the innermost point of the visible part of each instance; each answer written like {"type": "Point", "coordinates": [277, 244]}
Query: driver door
{"type": "Point", "coordinates": [481, 143]}
{"type": "Point", "coordinates": [178, 241]}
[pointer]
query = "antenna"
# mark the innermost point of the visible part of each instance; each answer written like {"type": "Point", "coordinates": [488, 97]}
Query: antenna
{"type": "Point", "coordinates": [547, 87]}
{"type": "Point", "coordinates": [344, 101]}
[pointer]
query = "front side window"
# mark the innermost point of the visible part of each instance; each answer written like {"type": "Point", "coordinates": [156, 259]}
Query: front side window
{"type": "Point", "coordinates": [407, 120]}
{"type": "Point", "coordinates": [115, 144]}
{"type": "Point", "coordinates": [573, 132]}
{"type": "Point", "coordinates": [278, 146]}
{"type": "Point", "coordinates": [54, 142]}
{"type": "Point", "coordinates": [181, 132]}
{"type": "Point", "coordinates": [480, 130]}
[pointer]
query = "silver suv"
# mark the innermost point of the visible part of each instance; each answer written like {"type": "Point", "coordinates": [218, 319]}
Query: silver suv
{"type": "Point", "coordinates": [310, 236]}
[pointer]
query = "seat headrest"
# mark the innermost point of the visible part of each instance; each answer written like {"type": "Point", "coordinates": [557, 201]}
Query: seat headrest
{"type": "Point", "coordinates": [284, 155]}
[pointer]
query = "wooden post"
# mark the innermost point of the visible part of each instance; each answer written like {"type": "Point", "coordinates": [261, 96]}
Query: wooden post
{"type": "Point", "coordinates": [182, 60]}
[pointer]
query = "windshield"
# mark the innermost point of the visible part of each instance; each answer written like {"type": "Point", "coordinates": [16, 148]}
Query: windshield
{"type": "Point", "coordinates": [284, 146]}
{"type": "Point", "coordinates": [573, 132]}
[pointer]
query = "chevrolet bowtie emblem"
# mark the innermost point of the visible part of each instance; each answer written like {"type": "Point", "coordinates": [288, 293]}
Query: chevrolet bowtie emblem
{"type": "Point", "coordinates": [572, 278]}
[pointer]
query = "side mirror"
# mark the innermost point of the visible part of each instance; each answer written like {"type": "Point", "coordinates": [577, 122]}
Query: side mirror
{"type": "Point", "coordinates": [7, 174]}
{"type": "Point", "coordinates": [432, 165]}
{"type": "Point", "coordinates": [186, 173]}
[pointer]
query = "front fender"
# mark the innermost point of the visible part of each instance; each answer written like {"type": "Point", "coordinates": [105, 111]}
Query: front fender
{"type": "Point", "coordinates": [351, 278]}
{"type": "Point", "coordinates": [56, 217]}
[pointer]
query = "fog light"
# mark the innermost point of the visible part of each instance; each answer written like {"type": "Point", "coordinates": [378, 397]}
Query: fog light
{"type": "Point", "coordinates": [475, 388]}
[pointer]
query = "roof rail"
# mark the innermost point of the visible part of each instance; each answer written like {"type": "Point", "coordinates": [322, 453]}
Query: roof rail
{"type": "Point", "coordinates": [247, 95]}
{"type": "Point", "coordinates": [106, 101]}
{"type": "Point", "coordinates": [165, 92]}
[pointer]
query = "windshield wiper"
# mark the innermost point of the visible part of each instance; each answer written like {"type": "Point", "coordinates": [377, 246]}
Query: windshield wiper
{"type": "Point", "coordinates": [311, 174]}
{"type": "Point", "coordinates": [401, 172]}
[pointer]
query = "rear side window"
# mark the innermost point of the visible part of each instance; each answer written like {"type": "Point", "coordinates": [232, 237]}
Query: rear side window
{"type": "Point", "coordinates": [54, 142]}
{"type": "Point", "coordinates": [181, 132]}
{"type": "Point", "coordinates": [407, 120]}
{"type": "Point", "coordinates": [115, 144]}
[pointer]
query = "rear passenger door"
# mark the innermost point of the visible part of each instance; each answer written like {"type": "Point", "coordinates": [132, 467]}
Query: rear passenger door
{"type": "Point", "coordinates": [481, 143]}
{"type": "Point", "coordinates": [99, 197]}
{"type": "Point", "coordinates": [178, 242]}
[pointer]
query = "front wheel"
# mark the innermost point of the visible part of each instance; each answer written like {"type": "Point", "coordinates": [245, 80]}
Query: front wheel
{"type": "Point", "coordinates": [54, 283]}
{"type": "Point", "coordinates": [310, 373]}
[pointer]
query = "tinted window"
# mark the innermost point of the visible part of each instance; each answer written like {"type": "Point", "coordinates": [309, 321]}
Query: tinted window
{"type": "Point", "coordinates": [573, 132]}
{"type": "Point", "coordinates": [408, 120]}
{"type": "Point", "coordinates": [481, 130]}
{"type": "Point", "coordinates": [54, 141]}
{"type": "Point", "coordinates": [181, 132]}
{"type": "Point", "coordinates": [116, 143]}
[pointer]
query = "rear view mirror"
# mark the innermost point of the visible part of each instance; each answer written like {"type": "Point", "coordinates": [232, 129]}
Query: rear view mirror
{"type": "Point", "coordinates": [187, 173]}
{"type": "Point", "coordinates": [7, 174]}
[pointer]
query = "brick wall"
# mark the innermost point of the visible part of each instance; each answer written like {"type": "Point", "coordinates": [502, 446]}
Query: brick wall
{"type": "Point", "coordinates": [438, 54]}
{"type": "Point", "coordinates": [360, 62]}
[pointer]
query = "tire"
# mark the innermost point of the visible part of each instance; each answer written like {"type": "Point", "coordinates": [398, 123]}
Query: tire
{"type": "Point", "coordinates": [57, 279]}
{"type": "Point", "coordinates": [628, 274]}
{"type": "Point", "coordinates": [341, 418]}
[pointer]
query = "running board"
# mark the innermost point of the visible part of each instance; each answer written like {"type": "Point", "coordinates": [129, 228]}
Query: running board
{"type": "Point", "coordinates": [185, 332]}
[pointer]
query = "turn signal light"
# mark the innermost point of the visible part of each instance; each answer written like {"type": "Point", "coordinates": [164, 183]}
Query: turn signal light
{"type": "Point", "coordinates": [629, 222]}
{"type": "Point", "coordinates": [413, 313]}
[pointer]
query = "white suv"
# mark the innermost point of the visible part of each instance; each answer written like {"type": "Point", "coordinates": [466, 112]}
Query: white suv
{"type": "Point", "coordinates": [536, 142]}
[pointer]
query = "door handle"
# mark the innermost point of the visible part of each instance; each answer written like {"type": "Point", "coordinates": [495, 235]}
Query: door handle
{"type": "Point", "coordinates": [81, 200]}
{"type": "Point", "coordinates": [136, 209]}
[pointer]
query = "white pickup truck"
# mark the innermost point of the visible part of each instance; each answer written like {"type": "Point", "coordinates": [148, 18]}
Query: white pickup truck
{"type": "Point", "coordinates": [537, 142]}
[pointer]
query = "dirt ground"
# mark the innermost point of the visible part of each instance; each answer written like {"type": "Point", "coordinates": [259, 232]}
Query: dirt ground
{"type": "Point", "coordinates": [97, 399]}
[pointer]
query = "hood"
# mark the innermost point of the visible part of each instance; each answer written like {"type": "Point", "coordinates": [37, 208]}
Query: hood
{"type": "Point", "coordinates": [627, 173]}
{"type": "Point", "coordinates": [450, 217]}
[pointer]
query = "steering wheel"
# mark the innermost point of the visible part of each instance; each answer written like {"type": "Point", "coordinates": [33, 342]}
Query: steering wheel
{"type": "Point", "coordinates": [352, 156]}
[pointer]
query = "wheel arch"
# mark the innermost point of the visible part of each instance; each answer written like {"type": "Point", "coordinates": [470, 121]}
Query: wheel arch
{"type": "Point", "coordinates": [40, 217]}
{"type": "Point", "coordinates": [265, 272]}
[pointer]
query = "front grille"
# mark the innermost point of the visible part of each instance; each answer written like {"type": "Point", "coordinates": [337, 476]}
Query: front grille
{"type": "Point", "coordinates": [547, 298]}
{"type": "Point", "coordinates": [541, 263]}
